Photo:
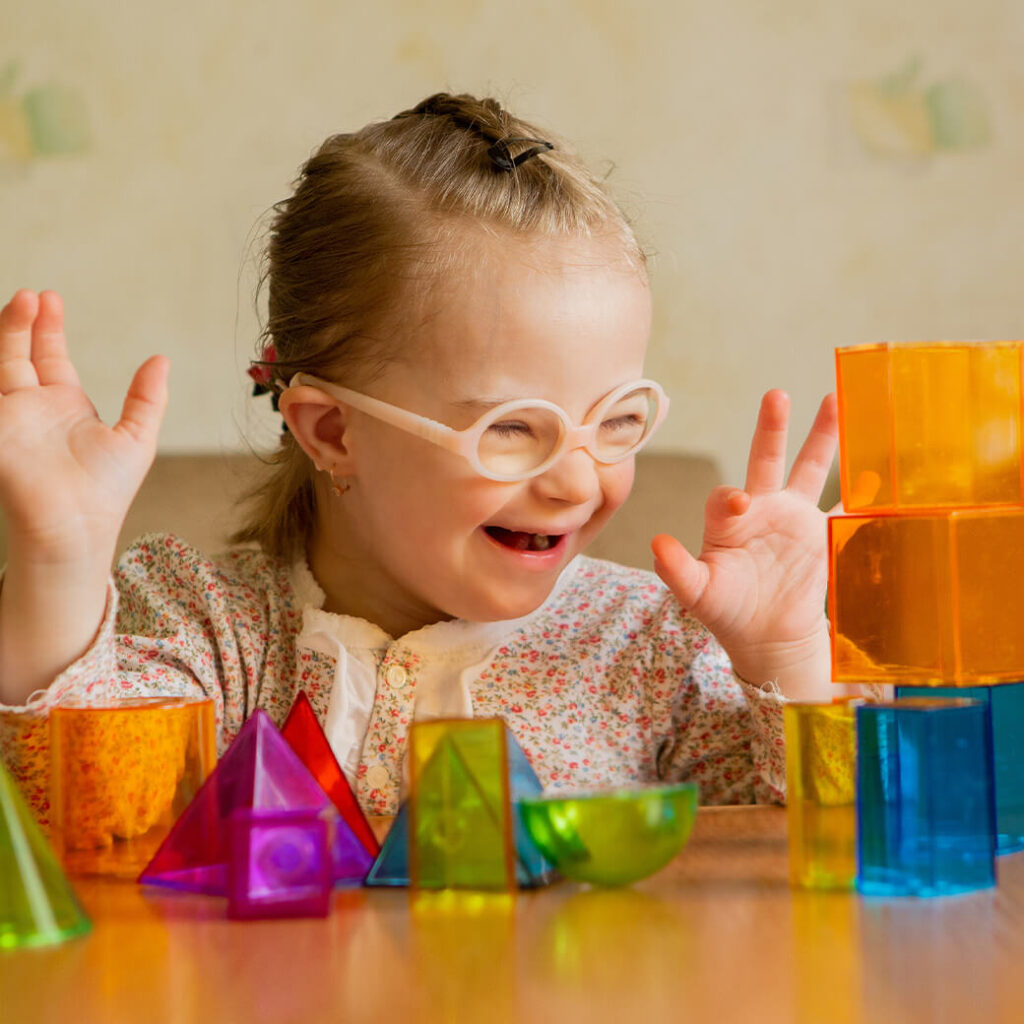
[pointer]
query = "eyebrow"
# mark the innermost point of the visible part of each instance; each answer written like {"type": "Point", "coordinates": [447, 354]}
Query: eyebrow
{"type": "Point", "coordinates": [483, 403]}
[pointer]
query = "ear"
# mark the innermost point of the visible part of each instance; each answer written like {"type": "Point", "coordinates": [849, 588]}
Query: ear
{"type": "Point", "coordinates": [319, 423]}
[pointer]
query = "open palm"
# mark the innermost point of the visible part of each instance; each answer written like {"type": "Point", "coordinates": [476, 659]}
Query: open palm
{"type": "Point", "coordinates": [66, 478]}
{"type": "Point", "coordinates": [759, 582]}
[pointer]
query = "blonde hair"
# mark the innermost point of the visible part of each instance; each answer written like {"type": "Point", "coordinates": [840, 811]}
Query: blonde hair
{"type": "Point", "coordinates": [372, 210]}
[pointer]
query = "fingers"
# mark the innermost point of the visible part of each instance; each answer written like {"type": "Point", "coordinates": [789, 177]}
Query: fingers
{"type": "Point", "coordinates": [33, 349]}
{"type": "Point", "coordinates": [146, 401]}
{"type": "Point", "coordinates": [49, 346]}
{"type": "Point", "coordinates": [683, 574]}
{"type": "Point", "coordinates": [16, 320]}
{"type": "Point", "coordinates": [865, 487]}
{"type": "Point", "coordinates": [810, 470]}
{"type": "Point", "coordinates": [766, 467]}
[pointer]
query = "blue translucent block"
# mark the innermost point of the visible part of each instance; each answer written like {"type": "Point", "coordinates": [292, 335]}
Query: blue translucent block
{"type": "Point", "coordinates": [1006, 711]}
{"type": "Point", "coordinates": [925, 798]}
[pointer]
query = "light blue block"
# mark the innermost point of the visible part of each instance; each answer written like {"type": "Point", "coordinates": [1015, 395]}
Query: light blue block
{"type": "Point", "coordinates": [925, 797]}
{"type": "Point", "coordinates": [1006, 709]}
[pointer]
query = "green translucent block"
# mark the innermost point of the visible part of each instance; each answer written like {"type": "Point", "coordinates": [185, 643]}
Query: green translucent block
{"type": "Point", "coordinates": [612, 837]}
{"type": "Point", "coordinates": [37, 905]}
{"type": "Point", "coordinates": [460, 817]}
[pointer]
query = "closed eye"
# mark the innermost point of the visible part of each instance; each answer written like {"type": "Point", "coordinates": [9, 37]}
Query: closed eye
{"type": "Point", "coordinates": [623, 423]}
{"type": "Point", "coordinates": [509, 428]}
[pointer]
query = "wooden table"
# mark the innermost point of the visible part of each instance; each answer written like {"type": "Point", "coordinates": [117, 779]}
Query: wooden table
{"type": "Point", "coordinates": [716, 936]}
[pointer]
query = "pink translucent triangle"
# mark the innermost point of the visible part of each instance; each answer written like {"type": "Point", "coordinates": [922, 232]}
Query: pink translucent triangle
{"type": "Point", "coordinates": [304, 735]}
{"type": "Point", "coordinates": [260, 772]}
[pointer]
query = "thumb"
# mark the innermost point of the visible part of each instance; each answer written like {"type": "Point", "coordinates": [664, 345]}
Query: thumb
{"type": "Point", "coordinates": [683, 574]}
{"type": "Point", "coordinates": [146, 401]}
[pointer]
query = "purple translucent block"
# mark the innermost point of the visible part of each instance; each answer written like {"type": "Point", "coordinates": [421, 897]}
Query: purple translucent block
{"type": "Point", "coordinates": [280, 865]}
{"type": "Point", "coordinates": [259, 772]}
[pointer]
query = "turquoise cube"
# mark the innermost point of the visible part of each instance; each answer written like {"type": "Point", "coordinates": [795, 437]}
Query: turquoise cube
{"type": "Point", "coordinates": [1006, 713]}
{"type": "Point", "coordinates": [925, 797]}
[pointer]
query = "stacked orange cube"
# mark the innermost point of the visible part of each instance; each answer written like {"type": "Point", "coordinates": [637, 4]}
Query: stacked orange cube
{"type": "Point", "coordinates": [926, 572]}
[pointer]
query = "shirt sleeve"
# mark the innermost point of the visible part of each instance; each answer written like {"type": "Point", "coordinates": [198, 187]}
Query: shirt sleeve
{"type": "Point", "coordinates": [171, 628]}
{"type": "Point", "coordinates": [723, 733]}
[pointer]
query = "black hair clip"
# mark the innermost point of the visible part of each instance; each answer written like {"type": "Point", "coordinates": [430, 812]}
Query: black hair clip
{"type": "Point", "coordinates": [502, 158]}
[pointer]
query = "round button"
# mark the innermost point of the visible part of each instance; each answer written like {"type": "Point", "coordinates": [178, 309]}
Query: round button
{"type": "Point", "coordinates": [377, 777]}
{"type": "Point", "coordinates": [396, 676]}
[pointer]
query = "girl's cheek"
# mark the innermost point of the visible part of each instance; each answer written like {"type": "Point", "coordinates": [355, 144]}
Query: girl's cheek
{"type": "Point", "coordinates": [618, 484]}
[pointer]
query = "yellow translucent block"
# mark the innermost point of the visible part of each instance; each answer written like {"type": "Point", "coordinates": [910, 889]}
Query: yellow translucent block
{"type": "Point", "coordinates": [121, 774]}
{"type": "Point", "coordinates": [821, 774]}
{"type": "Point", "coordinates": [930, 425]}
{"type": "Point", "coordinates": [928, 599]}
{"type": "Point", "coordinates": [461, 829]}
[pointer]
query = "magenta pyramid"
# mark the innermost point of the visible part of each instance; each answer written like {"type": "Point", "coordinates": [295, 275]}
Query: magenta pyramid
{"type": "Point", "coordinates": [258, 772]}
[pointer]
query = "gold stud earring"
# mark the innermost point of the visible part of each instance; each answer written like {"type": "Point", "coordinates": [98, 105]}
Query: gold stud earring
{"type": "Point", "coordinates": [339, 489]}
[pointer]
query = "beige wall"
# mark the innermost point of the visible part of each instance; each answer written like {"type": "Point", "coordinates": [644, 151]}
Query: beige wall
{"type": "Point", "coordinates": [802, 182]}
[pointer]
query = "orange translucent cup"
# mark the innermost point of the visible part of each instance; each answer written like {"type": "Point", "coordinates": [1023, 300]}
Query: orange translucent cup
{"type": "Point", "coordinates": [120, 774]}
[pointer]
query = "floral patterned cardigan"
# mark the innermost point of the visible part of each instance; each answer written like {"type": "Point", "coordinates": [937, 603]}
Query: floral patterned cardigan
{"type": "Point", "coordinates": [608, 683]}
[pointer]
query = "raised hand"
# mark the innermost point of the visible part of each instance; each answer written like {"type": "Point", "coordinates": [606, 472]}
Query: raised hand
{"type": "Point", "coordinates": [66, 478]}
{"type": "Point", "coordinates": [66, 481]}
{"type": "Point", "coordinates": [759, 583]}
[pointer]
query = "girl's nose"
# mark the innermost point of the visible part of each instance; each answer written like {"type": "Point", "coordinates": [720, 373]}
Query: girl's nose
{"type": "Point", "coordinates": [572, 478]}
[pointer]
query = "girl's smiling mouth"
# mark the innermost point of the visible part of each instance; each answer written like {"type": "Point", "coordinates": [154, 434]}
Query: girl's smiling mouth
{"type": "Point", "coordinates": [519, 540]}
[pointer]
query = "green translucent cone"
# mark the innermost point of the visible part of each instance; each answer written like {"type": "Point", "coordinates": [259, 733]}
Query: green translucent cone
{"type": "Point", "coordinates": [37, 905]}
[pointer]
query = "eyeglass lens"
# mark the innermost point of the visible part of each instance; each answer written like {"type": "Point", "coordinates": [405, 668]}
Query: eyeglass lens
{"type": "Point", "coordinates": [526, 438]}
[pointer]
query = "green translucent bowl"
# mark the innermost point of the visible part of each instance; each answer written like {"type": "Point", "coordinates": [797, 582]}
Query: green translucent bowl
{"type": "Point", "coordinates": [611, 837]}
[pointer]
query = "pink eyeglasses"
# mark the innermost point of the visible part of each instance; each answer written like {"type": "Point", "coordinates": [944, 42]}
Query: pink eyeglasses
{"type": "Point", "coordinates": [520, 439]}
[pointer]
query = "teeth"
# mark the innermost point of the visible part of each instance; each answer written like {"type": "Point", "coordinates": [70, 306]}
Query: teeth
{"type": "Point", "coordinates": [520, 540]}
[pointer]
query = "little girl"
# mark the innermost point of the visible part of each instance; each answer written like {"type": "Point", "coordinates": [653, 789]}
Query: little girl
{"type": "Point", "coordinates": [458, 315]}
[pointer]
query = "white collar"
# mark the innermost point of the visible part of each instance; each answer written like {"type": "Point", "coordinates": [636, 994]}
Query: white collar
{"type": "Point", "coordinates": [455, 637]}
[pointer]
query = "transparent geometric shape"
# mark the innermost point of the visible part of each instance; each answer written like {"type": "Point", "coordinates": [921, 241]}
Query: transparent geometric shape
{"type": "Point", "coordinates": [925, 804]}
{"type": "Point", "coordinates": [928, 598]}
{"type": "Point", "coordinates": [280, 864]}
{"type": "Point", "coordinates": [1005, 705]}
{"type": "Point", "coordinates": [821, 775]}
{"type": "Point", "coordinates": [38, 907]}
{"type": "Point", "coordinates": [532, 869]}
{"type": "Point", "coordinates": [120, 774]}
{"type": "Point", "coordinates": [612, 837]}
{"type": "Point", "coordinates": [459, 808]}
{"type": "Point", "coordinates": [930, 425]}
{"type": "Point", "coordinates": [305, 736]}
{"type": "Point", "coordinates": [258, 772]}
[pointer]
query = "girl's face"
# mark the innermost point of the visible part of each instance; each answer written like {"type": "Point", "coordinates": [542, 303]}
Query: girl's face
{"type": "Point", "coordinates": [420, 537]}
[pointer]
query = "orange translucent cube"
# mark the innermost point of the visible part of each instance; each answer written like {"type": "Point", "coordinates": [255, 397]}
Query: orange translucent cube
{"type": "Point", "coordinates": [930, 425]}
{"type": "Point", "coordinates": [928, 599]}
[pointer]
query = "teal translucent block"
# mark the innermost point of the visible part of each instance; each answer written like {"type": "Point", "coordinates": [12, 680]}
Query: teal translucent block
{"type": "Point", "coordinates": [37, 904]}
{"type": "Point", "coordinates": [925, 800]}
{"type": "Point", "coordinates": [1006, 715]}
{"type": "Point", "coordinates": [612, 837]}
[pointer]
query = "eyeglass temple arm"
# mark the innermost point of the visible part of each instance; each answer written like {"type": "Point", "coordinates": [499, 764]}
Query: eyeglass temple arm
{"type": "Point", "coordinates": [422, 426]}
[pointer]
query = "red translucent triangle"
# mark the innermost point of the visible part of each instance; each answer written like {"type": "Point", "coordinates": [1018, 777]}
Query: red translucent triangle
{"type": "Point", "coordinates": [305, 736]}
{"type": "Point", "coordinates": [258, 772]}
